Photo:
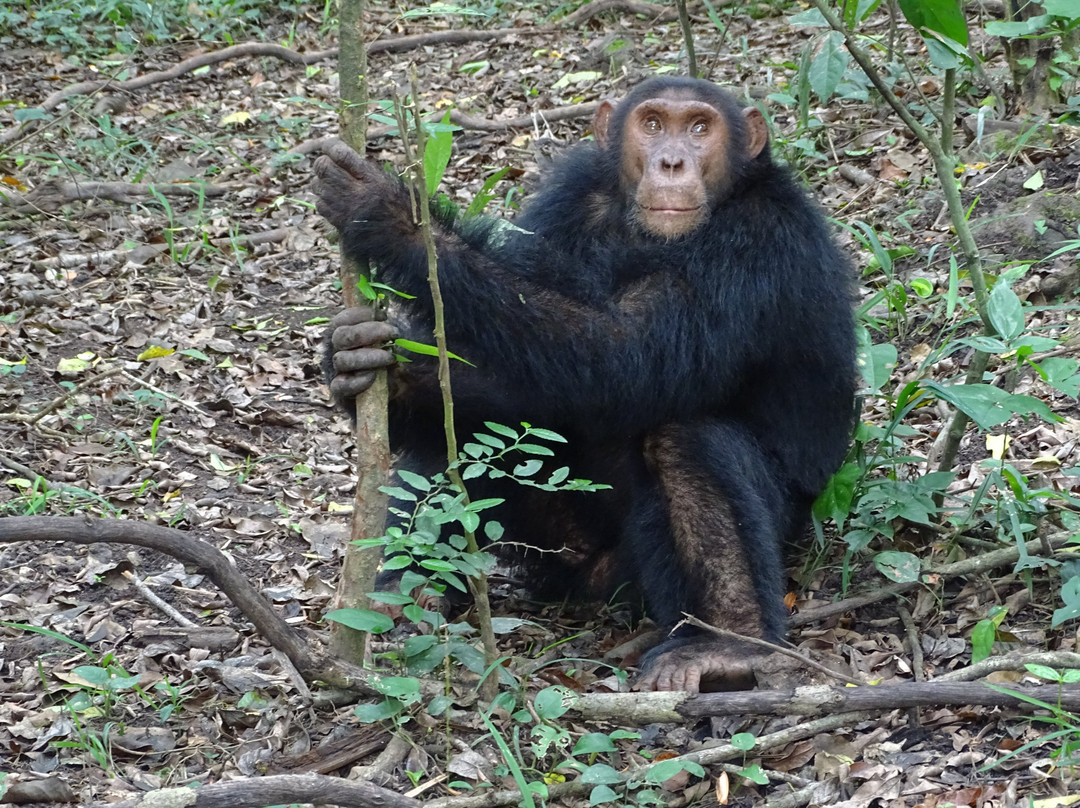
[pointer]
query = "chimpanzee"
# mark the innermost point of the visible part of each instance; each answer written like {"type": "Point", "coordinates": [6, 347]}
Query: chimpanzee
{"type": "Point", "coordinates": [670, 301]}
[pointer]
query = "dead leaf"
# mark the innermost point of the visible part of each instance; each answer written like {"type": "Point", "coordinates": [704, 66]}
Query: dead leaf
{"type": "Point", "coordinates": [723, 786]}
{"type": "Point", "coordinates": [472, 766]}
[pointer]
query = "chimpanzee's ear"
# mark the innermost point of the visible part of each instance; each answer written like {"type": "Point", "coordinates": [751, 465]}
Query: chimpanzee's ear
{"type": "Point", "coordinates": [757, 132]}
{"type": "Point", "coordinates": [601, 122]}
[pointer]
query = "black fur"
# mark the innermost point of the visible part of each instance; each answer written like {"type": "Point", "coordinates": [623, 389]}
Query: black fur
{"type": "Point", "coordinates": [740, 332]}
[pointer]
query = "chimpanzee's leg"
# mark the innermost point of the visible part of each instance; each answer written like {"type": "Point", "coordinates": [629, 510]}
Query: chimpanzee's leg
{"type": "Point", "coordinates": [707, 532]}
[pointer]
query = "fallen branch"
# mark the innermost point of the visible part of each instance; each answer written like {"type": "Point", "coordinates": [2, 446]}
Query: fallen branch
{"type": "Point", "coordinates": [247, 49]}
{"type": "Point", "coordinates": [654, 11]}
{"type": "Point", "coordinates": [176, 543]}
{"type": "Point", "coordinates": [219, 639]}
{"type": "Point", "coordinates": [457, 117]}
{"type": "Point", "coordinates": [586, 110]}
{"type": "Point", "coordinates": [188, 65]}
{"type": "Point", "coordinates": [274, 789]}
{"type": "Point", "coordinates": [1013, 661]}
{"type": "Point", "coordinates": [463, 120]}
{"type": "Point", "coordinates": [334, 754]}
{"type": "Point", "coordinates": [709, 756]}
{"type": "Point", "coordinates": [51, 195]}
{"type": "Point", "coordinates": [466, 121]}
{"type": "Point", "coordinates": [157, 602]}
{"type": "Point", "coordinates": [404, 43]}
{"type": "Point", "coordinates": [309, 657]}
{"type": "Point", "coordinates": [319, 789]}
{"type": "Point", "coordinates": [812, 700]}
{"type": "Point", "coordinates": [145, 253]}
{"type": "Point", "coordinates": [969, 566]}
{"type": "Point", "coordinates": [819, 793]}
{"type": "Point", "coordinates": [855, 175]}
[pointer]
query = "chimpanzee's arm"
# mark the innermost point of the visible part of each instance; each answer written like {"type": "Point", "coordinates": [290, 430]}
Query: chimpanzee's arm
{"type": "Point", "coordinates": [669, 344]}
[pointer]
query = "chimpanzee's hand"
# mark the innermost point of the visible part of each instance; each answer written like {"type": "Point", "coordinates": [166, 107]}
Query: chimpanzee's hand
{"type": "Point", "coordinates": [359, 198]}
{"type": "Point", "coordinates": [358, 344]}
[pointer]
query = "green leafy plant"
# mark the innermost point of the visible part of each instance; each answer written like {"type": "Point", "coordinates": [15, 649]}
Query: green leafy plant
{"type": "Point", "coordinates": [96, 743]}
{"type": "Point", "coordinates": [37, 496]}
{"type": "Point", "coordinates": [985, 633]}
{"type": "Point", "coordinates": [102, 686]}
{"type": "Point", "coordinates": [752, 772]}
{"type": "Point", "coordinates": [100, 27]}
{"type": "Point", "coordinates": [7, 367]}
{"type": "Point", "coordinates": [880, 485]}
{"type": "Point", "coordinates": [429, 547]}
{"type": "Point", "coordinates": [34, 496]}
{"type": "Point", "coordinates": [1067, 732]}
{"type": "Point", "coordinates": [96, 691]}
{"type": "Point", "coordinates": [872, 485]}
{"type": "Point", "coordinates": [554, 753]}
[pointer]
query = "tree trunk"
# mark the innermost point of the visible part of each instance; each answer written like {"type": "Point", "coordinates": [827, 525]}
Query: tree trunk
{"type": "Point", "coordinates": [1030, 60]}
{"type": "Point", "coordinates": [359, 567]}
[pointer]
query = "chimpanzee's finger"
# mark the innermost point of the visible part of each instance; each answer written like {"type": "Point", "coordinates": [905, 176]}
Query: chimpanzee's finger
{"type": "Point", "coordinates": [335, 191]}
{"type": "Point", "coordinates": [344, 155]}
{"type": "Point", "coordinates": [352, 316]}
{"type": "Point", "coordinates": [363, 335]}
{"type": "Point", "coordinates": [352, 385]}
{"type": "Point", "coordinates": [362, 359]}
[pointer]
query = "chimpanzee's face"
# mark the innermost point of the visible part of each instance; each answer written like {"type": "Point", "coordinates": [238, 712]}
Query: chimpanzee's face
{"type": "Point", "coordinates": [675, 162]}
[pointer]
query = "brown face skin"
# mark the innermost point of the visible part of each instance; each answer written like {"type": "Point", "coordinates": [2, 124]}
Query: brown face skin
{"type": "Point", "coordinates": [677, 157]}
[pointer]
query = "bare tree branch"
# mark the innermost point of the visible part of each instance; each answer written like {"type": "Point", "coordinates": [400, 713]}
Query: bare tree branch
{"type": "Point", "coordinates": [274, 789]}
{"type": "Point", "coordinates": [309, 657]}
{"type": "Point", "coordinates": [812, 700]}
{"type": "Point", "coordinates": [968, 566]}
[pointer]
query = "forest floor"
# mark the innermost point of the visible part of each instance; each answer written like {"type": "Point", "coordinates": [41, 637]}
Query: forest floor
{"type": "Point", "coordinates": [175, 341]}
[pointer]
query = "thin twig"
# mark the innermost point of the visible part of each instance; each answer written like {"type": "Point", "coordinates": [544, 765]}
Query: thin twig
{"type": "Point", "coordinates": [968, 566]}
{"type": "Point", "coordinates": [912, 632]}
{"type": "Point", "coordinates": [688, 38]}
{"type": "Point", "coordinates": [164, 393]}
{"type": "Point", "coordinates": [154, 600]}
{"type": "Point", "coordinates": [477, 584]}
{"type": "Point", "coordinates": [1014, 661]}
{"type": "Point", "coordinates": [59, 401]}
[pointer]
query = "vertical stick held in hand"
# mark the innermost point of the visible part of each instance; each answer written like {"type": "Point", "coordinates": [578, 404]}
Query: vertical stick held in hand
{"type": "Point", "coordinates": [477, 585]}
{"type": "Point", "coordinates": [359, 567]}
